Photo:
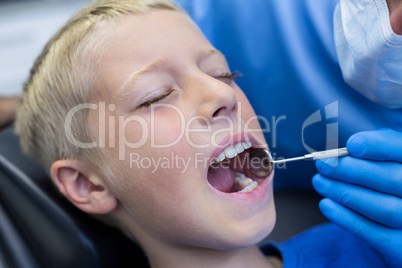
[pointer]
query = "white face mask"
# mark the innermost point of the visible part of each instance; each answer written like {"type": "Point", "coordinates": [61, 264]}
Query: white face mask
{"type": "Point", "coordinates": [369, 52]}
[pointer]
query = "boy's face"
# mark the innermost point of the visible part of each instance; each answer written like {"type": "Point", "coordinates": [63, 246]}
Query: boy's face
{"type": "Point", "coordinates": [164, 180]}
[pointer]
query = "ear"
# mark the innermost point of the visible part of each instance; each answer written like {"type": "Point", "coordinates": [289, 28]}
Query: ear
{"type": "Point", "coordinates": [79, 182]}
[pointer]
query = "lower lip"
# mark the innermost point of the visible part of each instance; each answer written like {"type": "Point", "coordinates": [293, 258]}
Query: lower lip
{"type": "Point", "coordinates": [250, 197]}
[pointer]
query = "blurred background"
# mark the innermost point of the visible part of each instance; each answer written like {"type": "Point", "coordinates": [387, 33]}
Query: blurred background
{"type": "Point", "coordinates": [25, 27]}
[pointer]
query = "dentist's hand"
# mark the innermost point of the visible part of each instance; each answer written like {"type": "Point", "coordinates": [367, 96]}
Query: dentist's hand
{"type": "Point", "coordinates": [364, 191]}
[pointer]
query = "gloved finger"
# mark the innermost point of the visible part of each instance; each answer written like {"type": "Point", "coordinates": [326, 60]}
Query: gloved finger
{"type": "Point", "coordinates": [382, 208]}
{"type": "Point", "coordinates": [380, 145]}
{"type": "Point", "coordinates": [386, 240]}
{"type": "Point", "coordinates": [380, 176]}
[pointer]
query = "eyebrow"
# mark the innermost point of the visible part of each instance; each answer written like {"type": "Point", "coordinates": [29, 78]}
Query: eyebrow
{"type": "Point", "coordinates": [131, 80]}
{"type": "Point", "coordinates": [210, 52]}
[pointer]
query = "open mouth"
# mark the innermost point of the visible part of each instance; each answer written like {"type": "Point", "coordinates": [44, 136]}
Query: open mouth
{"type": "Point", "coordinates": [230, 171]}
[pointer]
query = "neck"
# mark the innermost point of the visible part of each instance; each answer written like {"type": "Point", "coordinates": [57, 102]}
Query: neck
{"type": "Point", "coordinates": [166, 254]}
{"type": "Point", "coordinates": [172, 256]}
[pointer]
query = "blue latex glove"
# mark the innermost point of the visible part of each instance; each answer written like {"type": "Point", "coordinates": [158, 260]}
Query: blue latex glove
{"type": "Point", "coordinates": [364, 191]}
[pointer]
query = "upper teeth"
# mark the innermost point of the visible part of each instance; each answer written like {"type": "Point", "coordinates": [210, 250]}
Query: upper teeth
{"type": "Point", "coordinates": [232, 151]}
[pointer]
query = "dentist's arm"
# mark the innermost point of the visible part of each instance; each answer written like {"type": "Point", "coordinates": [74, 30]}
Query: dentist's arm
{"type": "Point", "coordinates": [364, 191]}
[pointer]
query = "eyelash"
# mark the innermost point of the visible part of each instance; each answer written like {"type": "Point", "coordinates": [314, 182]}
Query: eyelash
{"type": "Point", "coordinates": [154, 100]}
{"type": "Point", "coordinates": [231, 76]}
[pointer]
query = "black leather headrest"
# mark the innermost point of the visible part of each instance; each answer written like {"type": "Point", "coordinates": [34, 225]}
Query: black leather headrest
{"type": "Point", "coordinates": [40, 228]}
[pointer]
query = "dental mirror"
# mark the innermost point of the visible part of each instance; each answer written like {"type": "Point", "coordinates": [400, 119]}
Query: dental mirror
{"type": "Point", "coordinates": [261, 162]}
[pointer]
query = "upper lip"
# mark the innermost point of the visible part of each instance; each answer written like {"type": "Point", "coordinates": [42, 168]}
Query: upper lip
{"type": "Point", "coordinates": [232, 140]}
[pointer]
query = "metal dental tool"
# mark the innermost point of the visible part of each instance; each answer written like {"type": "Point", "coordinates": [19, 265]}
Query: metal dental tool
{"type": "Point", "coordinates": [261, 162]}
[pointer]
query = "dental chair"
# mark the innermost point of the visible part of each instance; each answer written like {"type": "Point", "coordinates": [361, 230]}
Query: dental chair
{"type": "Point", "coordinates": [40, 228]}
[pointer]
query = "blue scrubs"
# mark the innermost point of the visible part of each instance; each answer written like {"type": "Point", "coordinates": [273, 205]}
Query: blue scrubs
{"type": "Point", "coordinates": [285, 50]}
{"type": "Point", "coordinates": [325, 246]}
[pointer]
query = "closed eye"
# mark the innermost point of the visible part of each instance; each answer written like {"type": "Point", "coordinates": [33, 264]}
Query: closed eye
{"type": "Point", "coordinates": [154, 100]}
{"type": "Point", "coordinates": [230, 76]}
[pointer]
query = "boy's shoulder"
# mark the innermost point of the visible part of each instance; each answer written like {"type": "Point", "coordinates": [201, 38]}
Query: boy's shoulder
{"type": "Point", "coordinates": [326, 245]}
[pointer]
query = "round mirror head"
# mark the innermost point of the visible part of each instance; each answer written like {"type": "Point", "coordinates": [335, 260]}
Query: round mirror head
{"type": "Point", "coordinates": [261, 163]}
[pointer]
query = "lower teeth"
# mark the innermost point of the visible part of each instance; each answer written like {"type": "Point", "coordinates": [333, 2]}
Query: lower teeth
{"type": "Point", "coordinates": [245, 182]}
{"type": "Point", "coordinates": [250, 187]}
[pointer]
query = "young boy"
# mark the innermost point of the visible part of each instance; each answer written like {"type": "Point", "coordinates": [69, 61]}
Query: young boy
{"type": "Point", "coordinates": [133, 113]}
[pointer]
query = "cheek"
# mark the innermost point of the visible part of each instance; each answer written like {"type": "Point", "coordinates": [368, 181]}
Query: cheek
{"type": "Point", "coordinates": [144, 136]}
{"type": "Point", "coordinates": [132, 132]}
{"type": "Point", "coordinates": [154, 172]}
{"type": "Point", "coordinates": [162, 201]}
{"type": "Point", "coordinates": [167, 125]}
{"type": "Point", "coordinates": [247, 114]}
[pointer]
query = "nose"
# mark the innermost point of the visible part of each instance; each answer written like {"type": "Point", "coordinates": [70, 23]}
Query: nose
{"type": "Point", "coordinates": [215, 98]}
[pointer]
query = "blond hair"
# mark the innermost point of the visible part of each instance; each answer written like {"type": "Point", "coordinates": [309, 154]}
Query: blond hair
{"type": "Point", "coordinates": [63, 77]}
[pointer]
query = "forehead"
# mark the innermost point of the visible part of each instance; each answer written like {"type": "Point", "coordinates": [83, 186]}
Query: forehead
{"type": "Point", "coordinates": [148, 35]}
{"type": "Point", "coordinates": [134, 41]}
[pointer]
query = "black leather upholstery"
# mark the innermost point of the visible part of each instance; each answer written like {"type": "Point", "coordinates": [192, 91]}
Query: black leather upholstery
{"type": "Point", "coordinates": [39, 228]}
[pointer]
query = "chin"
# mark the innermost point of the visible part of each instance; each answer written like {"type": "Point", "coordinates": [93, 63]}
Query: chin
{"type": "Point", "coordinates": [246, 235]}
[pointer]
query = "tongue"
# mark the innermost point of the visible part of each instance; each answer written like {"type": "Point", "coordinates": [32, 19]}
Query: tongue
{"type": "Point", "coordinates": [221, 178]}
